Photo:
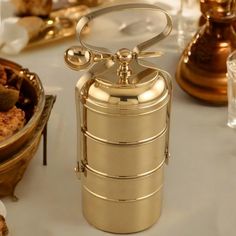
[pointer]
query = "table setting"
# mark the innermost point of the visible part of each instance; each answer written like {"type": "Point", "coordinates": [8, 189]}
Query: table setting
{"type": "Point", "coordinates": [96, 151]}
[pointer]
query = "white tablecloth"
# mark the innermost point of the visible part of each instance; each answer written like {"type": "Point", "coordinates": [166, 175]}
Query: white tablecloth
{"type": "Point", "coordinates": [200, 180]}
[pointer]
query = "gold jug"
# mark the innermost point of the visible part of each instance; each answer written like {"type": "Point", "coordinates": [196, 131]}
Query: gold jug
{"type": "Point", "coordinates": [201, 71]}
{"type": "Point", "coordinates": [123, 111]}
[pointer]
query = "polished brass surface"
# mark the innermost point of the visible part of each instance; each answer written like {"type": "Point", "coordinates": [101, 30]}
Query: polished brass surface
{"type": "Point", "coordinates": [123, 188]}
{"type": "Point", "coordinates": [110, 154]}
{"type": "Point", "coordinates": [32, 86]}
{"type": "Point", "coordinates": [123, 112]}
{"type": "Point", "coordinates": [201, 71]}
{"type": "Point", "coordinates": [129, 134]}
{"type": "Point", "coordinates": [77, 57]}
{"type": "Point", "coordinates": [121, 217]}
{"type": "Point", "coordinates": [13, 169]}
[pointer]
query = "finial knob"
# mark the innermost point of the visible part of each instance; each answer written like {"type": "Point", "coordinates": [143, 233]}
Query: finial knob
{"type": "Point", "coordinates": [124, 57]}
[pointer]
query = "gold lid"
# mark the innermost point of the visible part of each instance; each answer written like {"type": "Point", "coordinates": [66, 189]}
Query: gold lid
{"type": "Point", "coordinates": [130, 88]}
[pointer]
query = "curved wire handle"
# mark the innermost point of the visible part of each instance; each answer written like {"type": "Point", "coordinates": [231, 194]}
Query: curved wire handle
{"type": "Point", "coordinates": [140, 47]}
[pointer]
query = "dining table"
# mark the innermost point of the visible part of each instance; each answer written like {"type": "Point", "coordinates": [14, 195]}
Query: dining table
{"type": "Point", "coordinates": [200, 178]}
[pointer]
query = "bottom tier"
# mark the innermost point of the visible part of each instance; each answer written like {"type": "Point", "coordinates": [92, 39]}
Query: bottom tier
{"type": "Point", "coordinates": [121, 216]}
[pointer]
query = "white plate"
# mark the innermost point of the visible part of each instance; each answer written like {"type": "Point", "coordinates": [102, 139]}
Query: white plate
{"type": "Point", "coordinates": [3, 210]}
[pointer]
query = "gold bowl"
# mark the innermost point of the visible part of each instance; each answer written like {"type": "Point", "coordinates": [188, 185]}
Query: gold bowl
{"type": "Point", "coordinates": [32, 88]}
{"type": "Point", "coordinates": [13, 169]}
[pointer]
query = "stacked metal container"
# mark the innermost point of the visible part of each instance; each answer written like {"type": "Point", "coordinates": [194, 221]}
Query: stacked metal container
{"type": "Point", "coordinates": [123, 110]}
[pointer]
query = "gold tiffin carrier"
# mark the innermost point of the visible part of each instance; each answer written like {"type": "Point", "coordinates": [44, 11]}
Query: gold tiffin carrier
{"type": "Point", "coordinates": [123, 111]}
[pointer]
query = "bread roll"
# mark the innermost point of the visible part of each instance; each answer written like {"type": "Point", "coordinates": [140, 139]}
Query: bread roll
{"type": "Point", "coordinates": [11, 121]}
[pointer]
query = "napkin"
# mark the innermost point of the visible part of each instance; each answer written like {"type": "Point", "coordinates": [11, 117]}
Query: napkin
{"type": "Point", "coordinates": [15, 33]}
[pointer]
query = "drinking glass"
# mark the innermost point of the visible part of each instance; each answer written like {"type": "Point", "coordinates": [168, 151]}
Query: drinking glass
{"type": "Point", "coordinates": [231, 75]}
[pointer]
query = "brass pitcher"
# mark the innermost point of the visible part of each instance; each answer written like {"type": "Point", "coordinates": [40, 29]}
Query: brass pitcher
{"type": "Point", "coordinates": [201, 71]}
{"type": "Point", "coordinates": [123, 110]}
